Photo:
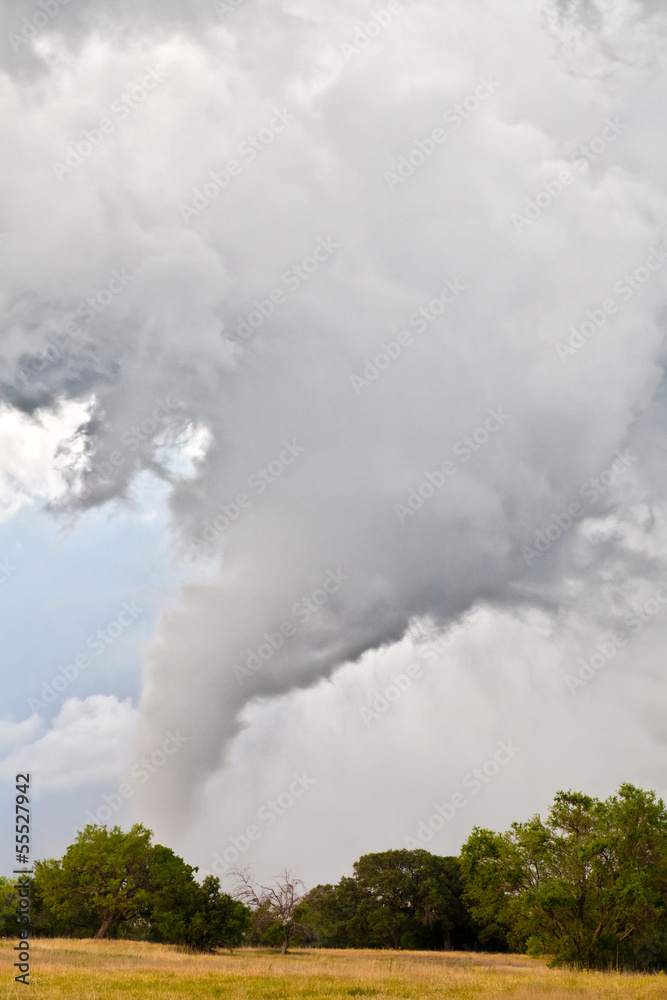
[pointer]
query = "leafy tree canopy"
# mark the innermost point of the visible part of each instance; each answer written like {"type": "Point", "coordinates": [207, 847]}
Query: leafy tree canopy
{"type": "Point", "coordinates": [396, 899]}
{"type": "Point", "coordinates": [117, 883]}
{"type": "Point", "coordinates": [104, 877]}
{"type": "Point", "coordinates": [589, 883]}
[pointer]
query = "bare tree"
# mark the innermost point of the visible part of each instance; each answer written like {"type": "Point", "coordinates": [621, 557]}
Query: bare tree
{"type": "Point", "coordinates": [272, 903]}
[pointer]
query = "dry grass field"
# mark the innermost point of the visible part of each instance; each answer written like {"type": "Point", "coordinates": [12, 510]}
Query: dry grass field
{"type": "Point", "coordinates": [110, 970]}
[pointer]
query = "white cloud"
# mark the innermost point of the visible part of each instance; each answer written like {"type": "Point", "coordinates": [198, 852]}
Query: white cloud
{"type": "Point", "coordinates": [31, 458]}
{"type": "Point", "coordinates": [17, 734]}
{"type": "Point", "coordinates": [86, 745]}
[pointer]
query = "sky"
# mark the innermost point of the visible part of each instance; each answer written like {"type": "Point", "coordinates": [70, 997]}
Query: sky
{"type": "Point", "coordinates": [333, 508]}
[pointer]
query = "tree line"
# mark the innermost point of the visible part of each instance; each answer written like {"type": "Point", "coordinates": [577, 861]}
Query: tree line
{"type": "Point", "coordinates": [587, 886]}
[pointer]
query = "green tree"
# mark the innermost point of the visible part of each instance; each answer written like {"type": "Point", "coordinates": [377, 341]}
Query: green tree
{"type": "Point", "coordinates": [103, 879]}
{"type": "Point", "coordinates": [172, 899]}
{"type": "Point", "coordinates": [396, 899]}
{"type": "Point", "coordinates": [327, 912]}
{"type": "Point", "coordinates": [119, 884]}
{"type": "Point", "coordinates": [409, 898]}
{"type": "Point", "coordinates": [215, 920]}
{"type": "Point", "coordinates": [588, 885]}
{"type": "Point", "coordinates": [492, 878]}
{"type": "Point", "coordinates": [9, 908]}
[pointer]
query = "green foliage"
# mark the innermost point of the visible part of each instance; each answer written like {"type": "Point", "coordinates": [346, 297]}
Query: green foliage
{"type": "Point", "coordinates": [116, 884]}
{"type": "Point", "coordinates": [589, 883]}
{"type": "Point", "coordinates": [396, 899]}
{"type": "Point", "coordinates": [9, 908]}
{"type": "Point", "coordinates": [409, 898]}
{"type": "Point", "coordinates": [217, 921]}
{"type": "Point", "coordinates": [535, 947]}
{"type": "Point", "coordinates": [327, 912]}
{"type": "Point", "coordinates": [173, 897]}
{"type": "Point", "coordinates": [102, 880]}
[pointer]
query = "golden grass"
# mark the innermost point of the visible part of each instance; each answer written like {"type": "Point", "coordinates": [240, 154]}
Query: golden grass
{"type": "Point", "coordinates": [106, 970]}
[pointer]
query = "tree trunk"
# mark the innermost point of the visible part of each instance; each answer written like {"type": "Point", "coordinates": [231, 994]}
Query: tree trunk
{"type": "Point", "coordinates": [283, 947]}
{"type": "Point", "coordinates": [447, 943]}
{"type": "Point", "coordinates": [106, 924]}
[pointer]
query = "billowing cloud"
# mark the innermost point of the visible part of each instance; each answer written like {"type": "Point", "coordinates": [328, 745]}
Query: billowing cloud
{"type": "Point", "coordinates": [403, 273]}
{"type": "Point", "coordinates": [34, 454]}
{"type": "Point", "coordinates": [86, 745]}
